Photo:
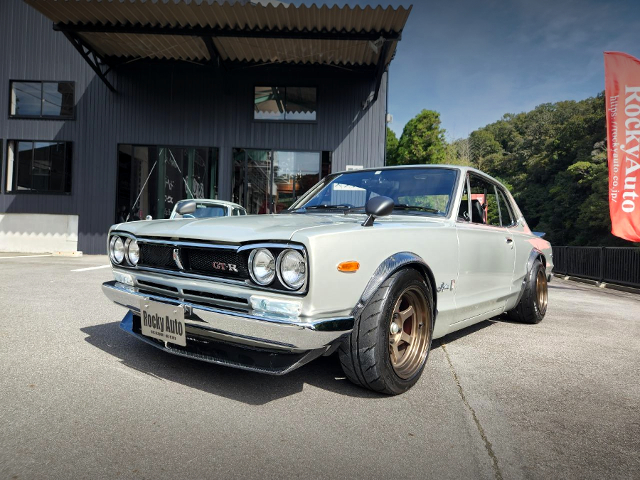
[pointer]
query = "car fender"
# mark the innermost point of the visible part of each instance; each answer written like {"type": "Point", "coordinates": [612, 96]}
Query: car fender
{"type": "Point", "coordinates": [387, 268]}
{"type": "Point", "coordinates": [533, 256]}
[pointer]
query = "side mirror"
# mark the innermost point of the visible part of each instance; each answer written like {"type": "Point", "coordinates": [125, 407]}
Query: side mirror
{"type": "Point", "coordinates": [186, 207]}
{"type": "Point", "coordinates": [377, 207]}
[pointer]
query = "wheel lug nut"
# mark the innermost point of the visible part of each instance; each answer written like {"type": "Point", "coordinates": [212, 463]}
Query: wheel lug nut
{"type": "Point", "coordinates": [395, 328]}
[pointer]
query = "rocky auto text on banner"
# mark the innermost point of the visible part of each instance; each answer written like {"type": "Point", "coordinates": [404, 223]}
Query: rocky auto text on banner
{"type": "Point", "coordinates": [622, 91]}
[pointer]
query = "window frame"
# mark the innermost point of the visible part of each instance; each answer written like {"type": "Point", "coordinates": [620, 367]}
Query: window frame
{"type": "Point", "coordinates": [509, 206]}
{"type": "Point", "coordinates": [36, 192]}
{"type": "Point", "coordinates": [285, 120]}
{"type": "Point", "coordinates": [498, 188]}
{"type": "Point", "coordinates": [42, 117]}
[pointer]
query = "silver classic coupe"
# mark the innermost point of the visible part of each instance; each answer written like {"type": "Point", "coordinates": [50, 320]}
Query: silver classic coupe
{"type": "Point", "coordinates": [373, 264]}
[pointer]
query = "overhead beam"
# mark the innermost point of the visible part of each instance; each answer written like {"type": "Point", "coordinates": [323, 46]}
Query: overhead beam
{"type": "Point", "coordinates": [380, 69]}
{"type": "Point", "coordinates": [198, 31]}
{"type": "Point", "coordinates": [87, 53]}
{"type": "Point", "coordinates": [213, 51]}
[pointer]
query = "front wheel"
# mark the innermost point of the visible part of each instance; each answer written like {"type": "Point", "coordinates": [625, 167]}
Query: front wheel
{"type": "Point", "coordinates": [389, 345]}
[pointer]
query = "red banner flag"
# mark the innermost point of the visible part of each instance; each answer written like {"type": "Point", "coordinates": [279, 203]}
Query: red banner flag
{"type": "Point", "coordinates": [622, 91]}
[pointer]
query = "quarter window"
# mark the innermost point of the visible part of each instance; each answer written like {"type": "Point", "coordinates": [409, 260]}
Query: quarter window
{"type": "Point", "coordinates": [42, 100]}
{"type": "Point", "coordinates": [42, 167]}
{"type": "Point", "coordinates": [285, 103]}
{"type": "Point", "coordinates": [506, 215]}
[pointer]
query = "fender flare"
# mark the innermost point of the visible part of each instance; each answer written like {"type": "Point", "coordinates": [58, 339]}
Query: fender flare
{"type": "Point", "coordinates": [533, 256]}
{"type": "Point", "coordinates": [387, 268]}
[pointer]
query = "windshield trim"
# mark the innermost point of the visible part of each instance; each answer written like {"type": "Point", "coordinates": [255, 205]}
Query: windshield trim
{"type": "Point", "coordinates": [326, 180]}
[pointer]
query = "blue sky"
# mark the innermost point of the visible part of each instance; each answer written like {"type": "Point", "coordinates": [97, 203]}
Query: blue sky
{"type": "Point", "coordinates": [475, 60]}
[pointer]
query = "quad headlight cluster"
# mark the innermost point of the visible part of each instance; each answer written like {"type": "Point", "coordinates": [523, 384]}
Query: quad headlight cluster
{"type": "Point", "coordinates": [290, 267]}
{"type": "Point", "coordinates": [124, 248]}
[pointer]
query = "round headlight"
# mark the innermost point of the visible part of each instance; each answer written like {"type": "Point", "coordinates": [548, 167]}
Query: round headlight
{"type": "Point", "coordinates": [133, 251]}
{"type": "Point", "coordinates": [292, 268]}
{"type": "Point", "coordinates": [117, 249]}
{"type": "Point", "coordinates": [262, 266]}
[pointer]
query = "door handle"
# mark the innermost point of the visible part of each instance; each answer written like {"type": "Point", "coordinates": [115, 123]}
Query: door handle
{"type": "Point", "coordinates": [509, 240]}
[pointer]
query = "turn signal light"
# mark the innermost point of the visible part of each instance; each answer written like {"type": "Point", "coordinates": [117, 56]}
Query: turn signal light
{"type": "Point", "coordinates": [350, 266]}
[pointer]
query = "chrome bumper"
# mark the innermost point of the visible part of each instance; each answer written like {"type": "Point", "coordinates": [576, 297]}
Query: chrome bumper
{"type": "Point", "coordinates": [242, 328]}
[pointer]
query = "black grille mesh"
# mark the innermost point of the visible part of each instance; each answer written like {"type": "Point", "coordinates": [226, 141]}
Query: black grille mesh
{"type": "Point", "coordinates": [158, 256]}
{"type": "Point", "coordinates": [201, 260]}
{"type": "Point", "coordinates": [196, 260]}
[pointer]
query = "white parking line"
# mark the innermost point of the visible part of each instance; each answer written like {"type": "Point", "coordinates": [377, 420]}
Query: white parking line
{"type": "Point", "coordinates": [90, 268]}
{"type": "Point", "coordinates": [24, 256]}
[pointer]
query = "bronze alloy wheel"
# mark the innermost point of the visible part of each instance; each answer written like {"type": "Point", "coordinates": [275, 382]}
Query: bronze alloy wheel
{"type": "Point", "coordinates": [409, 333]}
{"type": "Point", "coordinates": [541, 292]}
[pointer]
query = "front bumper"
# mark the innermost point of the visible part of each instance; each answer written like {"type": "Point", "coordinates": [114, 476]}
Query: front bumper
{"type": "Point", "coordinates": [298, 340]}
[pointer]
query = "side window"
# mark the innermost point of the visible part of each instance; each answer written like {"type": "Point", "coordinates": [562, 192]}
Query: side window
{"type": "Point", "coordinates": [484, 202]}
{"type": "Point", "coordinates": [505, 210]}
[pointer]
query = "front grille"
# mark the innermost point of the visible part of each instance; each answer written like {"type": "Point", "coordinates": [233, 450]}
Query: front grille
{"type": "Point", "coordinates": [157, 256]}
{"type": "Point", "coordinates": [214, 262]}
{"type": "Point", "coordinates": [202, 260]}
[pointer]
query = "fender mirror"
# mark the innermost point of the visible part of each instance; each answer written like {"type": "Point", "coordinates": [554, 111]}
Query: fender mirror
{"type": "Point", "coordinates": [377, 207]}
{"type": "Point", "coordinates": [186, 207]}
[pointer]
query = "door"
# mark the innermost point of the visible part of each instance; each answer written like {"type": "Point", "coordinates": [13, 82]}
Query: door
{"type": "Point", "coordinates": [487, 253]}
{"type": "Point", "coordinates": [269, 181]}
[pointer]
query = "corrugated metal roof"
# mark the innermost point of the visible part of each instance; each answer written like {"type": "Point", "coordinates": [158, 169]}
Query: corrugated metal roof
{"type": "Point", "coordinates": [209, 14]}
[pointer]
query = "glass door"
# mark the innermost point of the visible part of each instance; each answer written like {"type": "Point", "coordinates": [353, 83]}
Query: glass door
{"type": "Point", "coordinates": [269, 181]}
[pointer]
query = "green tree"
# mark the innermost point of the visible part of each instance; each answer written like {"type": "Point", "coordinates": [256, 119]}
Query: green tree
{"type": "Point", "coordinates": [554, 160]}
{"type": "Point", "coordinates": [392, 147]}
{"type": "Point", "coordinates": [422, 140]}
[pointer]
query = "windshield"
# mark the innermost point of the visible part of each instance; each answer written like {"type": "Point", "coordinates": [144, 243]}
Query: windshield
{"type": "Point", "coordinates": [203, 210]}
{"type": "Point", "coordinates": [415, 191]}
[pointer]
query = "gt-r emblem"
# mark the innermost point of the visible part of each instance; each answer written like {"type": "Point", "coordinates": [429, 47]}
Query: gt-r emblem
{"type": "Point", "coordinates": [176, 258]}
{"type": "Point", "coordinates": [225, 267]}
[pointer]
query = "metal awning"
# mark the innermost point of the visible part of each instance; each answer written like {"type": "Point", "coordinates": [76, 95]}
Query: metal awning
{"type": "Point", "coordinates": [108, 31]}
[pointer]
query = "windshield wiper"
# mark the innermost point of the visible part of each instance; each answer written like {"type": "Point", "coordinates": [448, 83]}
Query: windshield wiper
{"type": "Point", "coordinates": [344, 207]}
{"type": "Point", "coordinates": [403, 206]}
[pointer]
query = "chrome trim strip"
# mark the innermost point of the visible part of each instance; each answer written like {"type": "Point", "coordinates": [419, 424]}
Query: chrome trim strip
{"type": "Point", "coordinates": [251, 246]}
{"type": "Point", "coordinates": [270, 331]}
{"type": "Point", "coordinates": [182, 243]}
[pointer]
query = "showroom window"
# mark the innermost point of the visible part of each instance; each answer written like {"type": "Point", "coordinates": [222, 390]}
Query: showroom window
{"type": "Point", "coordinates": [38, 167]}
{"type": "Point", "coordinates": [52, 100]}
{"type": "Point", "coordinates": [297, 104]}
{"type": "Point", "coordinates": [152, 179]}
{"type": "Point", "coordinates": [269, 181]}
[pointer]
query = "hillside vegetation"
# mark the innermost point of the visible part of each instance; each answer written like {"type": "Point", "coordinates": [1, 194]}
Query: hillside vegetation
{"type": "Point", "coordinates": [553, 159]}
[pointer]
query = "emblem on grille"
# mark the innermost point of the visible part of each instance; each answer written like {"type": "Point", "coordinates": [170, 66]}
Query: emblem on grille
{"type": "Point", "coordinates": [225, 267]}
{"type": "Point", "coordinates": [176, 258]}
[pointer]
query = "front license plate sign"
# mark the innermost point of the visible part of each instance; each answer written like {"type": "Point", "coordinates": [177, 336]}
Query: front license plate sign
{"type": "Point", "coordinates": [164, 322]}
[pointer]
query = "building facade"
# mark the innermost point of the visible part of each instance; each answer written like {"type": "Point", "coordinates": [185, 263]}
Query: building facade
{"type": "Point", "coordinates": [96, 131]}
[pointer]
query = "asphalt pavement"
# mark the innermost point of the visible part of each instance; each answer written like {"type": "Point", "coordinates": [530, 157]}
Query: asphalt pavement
{"type": "Point", "coordinates": [81, 399]}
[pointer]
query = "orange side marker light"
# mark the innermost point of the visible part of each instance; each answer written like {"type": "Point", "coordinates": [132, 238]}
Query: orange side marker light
{"type": "Point", "coordinates": [349, 267]}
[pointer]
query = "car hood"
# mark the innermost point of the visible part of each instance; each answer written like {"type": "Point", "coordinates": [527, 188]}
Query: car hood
{"type": "Point", "coordinates": [238, 229]}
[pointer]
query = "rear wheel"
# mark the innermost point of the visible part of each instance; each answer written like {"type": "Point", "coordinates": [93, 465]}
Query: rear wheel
{"type": "Point", "coordinates": [535, 298]}
{"type": "Point", "coordinates": [390, 343]}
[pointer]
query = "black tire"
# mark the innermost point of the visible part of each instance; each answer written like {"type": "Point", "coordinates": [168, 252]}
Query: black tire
{"type": "Point", "coordinates": [365, 354]}
{"type": "Point", "coordinates": [532, 308]}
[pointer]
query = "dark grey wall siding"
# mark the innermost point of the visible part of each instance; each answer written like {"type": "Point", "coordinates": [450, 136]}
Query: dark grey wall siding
{"type": "Point", "coordinates": [167, 104]}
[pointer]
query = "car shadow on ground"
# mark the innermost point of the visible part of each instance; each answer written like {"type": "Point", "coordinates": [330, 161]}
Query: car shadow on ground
{"type": "Point", "coordinates": [240, 385]}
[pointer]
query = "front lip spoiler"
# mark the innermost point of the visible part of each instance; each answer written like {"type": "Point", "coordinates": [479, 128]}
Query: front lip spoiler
{"type": "Point", "coordinates": [287, 335]}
